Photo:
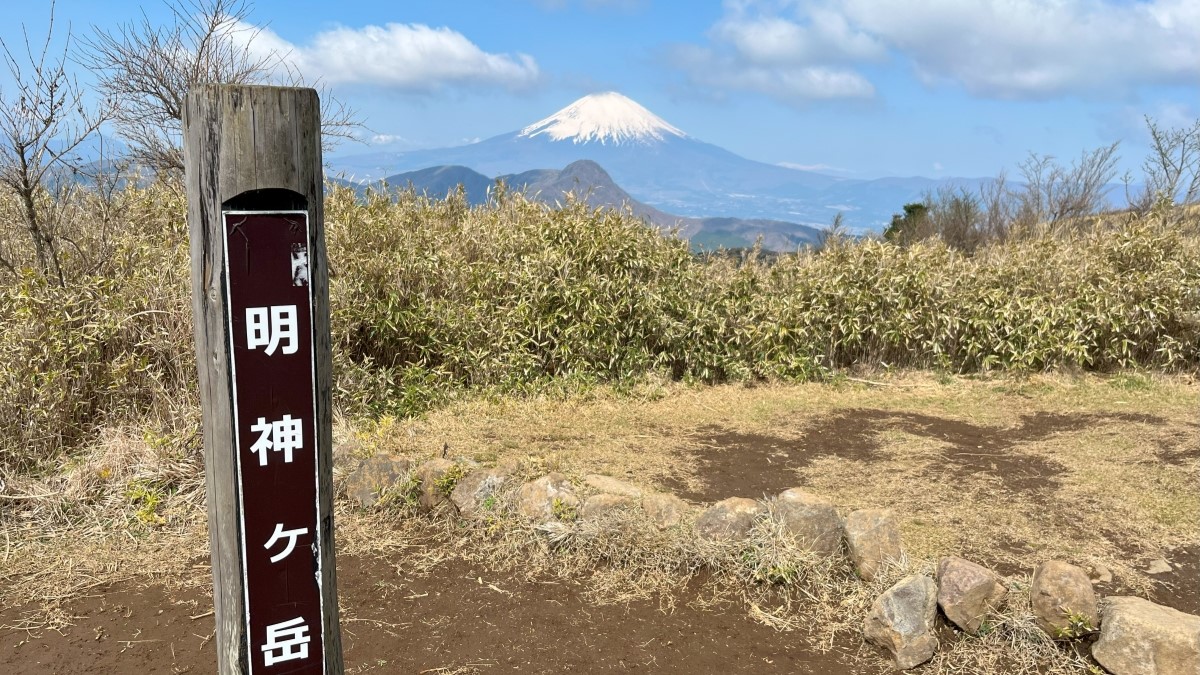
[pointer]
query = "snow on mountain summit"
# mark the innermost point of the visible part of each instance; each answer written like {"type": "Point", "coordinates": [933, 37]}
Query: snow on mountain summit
{"type": "Point", "coordinates": [605, 118]}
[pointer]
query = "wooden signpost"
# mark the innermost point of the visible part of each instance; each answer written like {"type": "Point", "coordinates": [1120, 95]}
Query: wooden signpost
{"type": "Point", "coordinates": [260, 297]}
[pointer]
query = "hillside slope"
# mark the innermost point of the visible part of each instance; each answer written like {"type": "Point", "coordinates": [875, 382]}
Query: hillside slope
{"type": "Point", "coordinates": [589, 181]}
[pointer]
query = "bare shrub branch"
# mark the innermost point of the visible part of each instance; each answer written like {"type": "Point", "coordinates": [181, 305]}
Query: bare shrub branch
{"type": "Point", "coordinates": [1055, 193]}
{"type": "Point", "coordinates": [835, 233]}
{"type": "Point", "coordinates": [43, 123]}
{"type": "Point", "coordinates": [1172, 169]}
{"type": "Point", "coordinates": [149, 69]}
{"type": "Point", "coordinates": [999, 206]}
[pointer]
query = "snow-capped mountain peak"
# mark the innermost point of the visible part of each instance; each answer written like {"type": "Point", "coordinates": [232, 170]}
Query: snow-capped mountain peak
{"type": "Point", "coordinates": [605, 118]}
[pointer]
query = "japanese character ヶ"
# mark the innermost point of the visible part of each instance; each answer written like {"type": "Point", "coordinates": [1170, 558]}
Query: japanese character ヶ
{"type": "Point", "coordinates": [290, 535]}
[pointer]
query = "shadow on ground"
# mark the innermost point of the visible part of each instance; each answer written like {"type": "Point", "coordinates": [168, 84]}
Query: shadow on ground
{"type": "Point", "coordinates": [730, 464]}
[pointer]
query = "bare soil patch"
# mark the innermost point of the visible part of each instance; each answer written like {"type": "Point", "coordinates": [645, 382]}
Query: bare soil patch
{"type": "Point", "coordinates": [1180, 588]}
{"type": "Point", "coordinates": [457, 617]}
{"type": "Point", "coordinates": [731, 464]}
{"type": "Point", "coordinates": [1181, 446]}
{"type": "Point", "coordinates": [115, 628]}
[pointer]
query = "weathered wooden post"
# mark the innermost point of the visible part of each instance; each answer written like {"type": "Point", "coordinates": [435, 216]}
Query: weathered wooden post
{"type": "Point", "coordinates": [260, 295]}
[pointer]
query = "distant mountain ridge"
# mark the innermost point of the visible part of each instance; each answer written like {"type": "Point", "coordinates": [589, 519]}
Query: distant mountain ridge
{"type": "Point", "coordinates": [664, 168]}
{"type": "Point", "coordinates": [656, 162]}
{"type": "Point", "coordinates": [589, 181]}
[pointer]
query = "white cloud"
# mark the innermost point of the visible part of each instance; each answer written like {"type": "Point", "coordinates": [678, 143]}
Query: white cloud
{"type": "Point", "coordinates": [992, 48]}
{"type": "Point", "coordinates": [409, 57]}
{"type": "Point", "coordinates": [387, 139]}
{"type": "Point", "coordinates": [814, 167]}
{"type": "Point", "coordinates": [1129, 121]}
{"type": "Point", "coordinates": [793, 59]}
{"type": "Point", "coordinates": [824, 37]}
{"type": "Point", "coordinates": [1034, 49]}
{"type": "Point", "coordinates": [721, 72]}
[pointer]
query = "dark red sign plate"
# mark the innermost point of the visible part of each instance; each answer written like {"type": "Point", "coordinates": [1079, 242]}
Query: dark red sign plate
{"type": "Point", "coordinates": [270, 323]}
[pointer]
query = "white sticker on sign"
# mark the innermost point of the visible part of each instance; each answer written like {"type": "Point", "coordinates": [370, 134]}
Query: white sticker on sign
{"type": "Point", "coordinates": [299, 265]}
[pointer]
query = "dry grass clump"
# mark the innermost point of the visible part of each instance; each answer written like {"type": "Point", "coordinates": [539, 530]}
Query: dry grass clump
{"type": "Point", "coordinates": [138, 485]}
{"type": "Point", "coordinates": [112, 347]}
{"type": "Point", "coordinates": [516, 296]}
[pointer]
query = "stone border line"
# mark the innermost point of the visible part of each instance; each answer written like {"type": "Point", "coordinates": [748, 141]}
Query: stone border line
{"type": "Point", "coordinates": [1136, 636]}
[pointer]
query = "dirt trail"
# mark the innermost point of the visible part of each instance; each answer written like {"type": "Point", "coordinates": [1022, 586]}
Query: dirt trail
{"type": "Point", "coordinates": [458, 619]}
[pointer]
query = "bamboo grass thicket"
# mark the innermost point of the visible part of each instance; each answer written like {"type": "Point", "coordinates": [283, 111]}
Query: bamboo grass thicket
{"type": "Point", "coordinates": [432, 299]}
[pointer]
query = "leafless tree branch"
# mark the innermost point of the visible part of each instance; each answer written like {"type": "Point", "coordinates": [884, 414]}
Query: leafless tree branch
{"type": "Point", "coordinates": [1055, 193]}
{"type": "Point", "coordinates": [1172, 169]}
{"type": "Point", "coordinates": [149, 68]}
{"type": "Point", "coordinates": [43, 122]}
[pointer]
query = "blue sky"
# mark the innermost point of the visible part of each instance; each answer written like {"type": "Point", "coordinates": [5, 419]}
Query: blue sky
{"type": "Point", "coordinates": [859, 88]}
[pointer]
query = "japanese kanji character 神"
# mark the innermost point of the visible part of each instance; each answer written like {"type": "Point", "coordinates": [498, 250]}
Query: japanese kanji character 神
{"type": "Point", "coordinates": [268, 326]}
{"type": "Point", "coordinates": [281, 533]}
{"type": "Point", "coordinates": [286, 641]}
{"type": "Point", "coordinates": [282, 435]}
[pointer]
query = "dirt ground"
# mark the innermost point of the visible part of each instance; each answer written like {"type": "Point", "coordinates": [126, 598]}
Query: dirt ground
{"type": "Point", "coordinates": [1097, 471]}
{"type": "Point", "coordinates": [458, 618]}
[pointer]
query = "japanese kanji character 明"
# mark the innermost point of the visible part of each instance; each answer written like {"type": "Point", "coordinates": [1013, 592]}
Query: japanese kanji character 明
{"type": "Point", "coordinates": [268, 326]}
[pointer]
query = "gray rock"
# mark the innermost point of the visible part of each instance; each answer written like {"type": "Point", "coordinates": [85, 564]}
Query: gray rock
{"type": "Point", "coordinates": [664, 510]}
{"type": "Point", "coordinates": [902, 621]}
{"type": "Point", "coordinates": [612, 486]}
{"type": "Point", "coordinates": [1058, 590]}
{"type": "Point", "coordinates": [598, 505]}
{"type": "Point", "coordinates": [1101, 574]}
{"type": "Point", "coordinates": [1158, 566]}
{"type": "Point", "coordinates": [811, 520]}
{"type": "Point", "coordinates": [967, 592]}
{"type": "Point", "coordinates": [873, 538]}
{"type": "Point", "coordinates": [536, 500]}
{"type": "Point", "coordinates": [472, 494]}
{"type": "Point", "coordinates": [729, 520]}
{"type": "Point", "coordinates": [373, 476]}
{"type": "Point", "coordinates": [1139, 637]}
{"type": "Point", "coordinates": [431, 474]}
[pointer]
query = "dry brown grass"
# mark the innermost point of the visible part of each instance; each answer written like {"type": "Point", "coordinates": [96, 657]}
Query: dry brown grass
{"type": "Point", "coordinates": [1114, 498]}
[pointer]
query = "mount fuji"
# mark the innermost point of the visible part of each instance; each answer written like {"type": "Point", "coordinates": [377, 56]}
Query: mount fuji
{"type": "Point", "coordinates": [659, 165]}
{"type": "Point", "coordinates": [603, 118]}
